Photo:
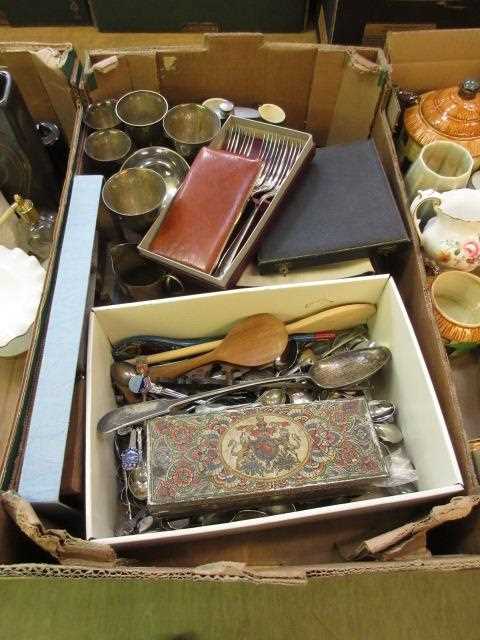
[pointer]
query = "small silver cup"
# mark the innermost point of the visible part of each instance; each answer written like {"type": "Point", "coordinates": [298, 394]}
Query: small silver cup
{"type": "Point", "coordinates": [142, 113]}
{"type": "Point", "coordinates": [190, 127]}
{"type": "Point", "coordinates": [135, 195]}
{"type": "Point", "coordinates": [101, 115]}
{"type": "Point", "coordinates": [107, 150]}
{"type": "Point", "coordinates": [139, 278]}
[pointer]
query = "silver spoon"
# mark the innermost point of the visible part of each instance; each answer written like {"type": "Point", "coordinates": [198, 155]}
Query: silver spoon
{"type": "Point", "coordinates": [306, 359]}
{"type": "Point", "coordinates": [288, 358]}
{"type": "Point", "coordinates": [270, 397]}
{"type": "Point", "coordinates": [388, 433]}
{"type": "Point", "coordinates": [341, 370]}
{"type": "Point", "coordinates": [301, 396]}
{"type": "Point", "coordinates": [138, 478]}
{"type": "Point", "coordinates": [382, 410]}
{"type": "Point", "coordinates": [121, 373]}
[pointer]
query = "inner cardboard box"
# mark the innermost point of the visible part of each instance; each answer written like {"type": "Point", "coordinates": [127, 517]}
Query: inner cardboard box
{"type": "Point", "coordinates": [421, 422]}
{"type": "Point", "coordinates": [333, 93]}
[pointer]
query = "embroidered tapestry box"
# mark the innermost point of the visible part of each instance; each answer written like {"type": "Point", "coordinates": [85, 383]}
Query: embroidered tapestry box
{"type": "Point", "coordinates": [252, 456]}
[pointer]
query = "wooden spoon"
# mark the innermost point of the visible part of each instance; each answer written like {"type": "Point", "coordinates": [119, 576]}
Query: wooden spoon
{"type": "Point", "coordinates": [252, 342]}
{"type": "Point", "coordinates": [343, 317]}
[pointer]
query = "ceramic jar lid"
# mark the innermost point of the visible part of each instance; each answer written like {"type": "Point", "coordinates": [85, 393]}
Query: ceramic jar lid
{"type": "Point", "coordinates": [451, 114]}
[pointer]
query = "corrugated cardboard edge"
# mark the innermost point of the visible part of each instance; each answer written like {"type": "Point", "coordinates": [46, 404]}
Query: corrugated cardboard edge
{"type": "Point", "coordinates": [238, 572]}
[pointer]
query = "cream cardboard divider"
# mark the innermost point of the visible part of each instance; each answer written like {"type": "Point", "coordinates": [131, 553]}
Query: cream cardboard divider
{"type": "Point", "coordinates": [332, 92]}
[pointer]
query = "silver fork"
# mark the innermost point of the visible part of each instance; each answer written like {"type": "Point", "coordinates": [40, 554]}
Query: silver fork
{"type": "Point", "coordinates": [240, 141]}
{"type": "Point", "coordinates": [288, 160]}
{"type": "Point", "coordinates": [275, 168]}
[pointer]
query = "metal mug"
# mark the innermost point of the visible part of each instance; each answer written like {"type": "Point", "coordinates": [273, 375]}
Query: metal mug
{"type": "Point", "coordinates": [190, 127]}
{"type": "Point", "coordinates": [101, 115]}
{"type": "Point", "coordinates": [107, 150]}
{"type": "Point", "coordinates": [135, 195]}
{"type": "Point", "coordinates": [142, 113]}
{"type": "Point", "coordinates": [139, 278]}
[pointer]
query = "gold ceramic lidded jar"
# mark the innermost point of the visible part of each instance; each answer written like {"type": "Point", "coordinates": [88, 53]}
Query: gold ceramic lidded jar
{"type": "Point", "coordinates": [446, 114]}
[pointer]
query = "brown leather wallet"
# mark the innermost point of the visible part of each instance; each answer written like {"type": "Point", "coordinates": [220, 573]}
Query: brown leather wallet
{"type": "Point", "coordinates": [205, 209]}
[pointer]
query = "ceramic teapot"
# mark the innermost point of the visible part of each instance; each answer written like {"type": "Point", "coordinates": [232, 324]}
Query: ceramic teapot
{"type": "Point", "coordinates": [447, 114]}
{"type": "Point", "coordinates": [452, 236]}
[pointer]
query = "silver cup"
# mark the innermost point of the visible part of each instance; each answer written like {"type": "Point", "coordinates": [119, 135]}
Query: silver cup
{"type": "Point", "coordinates": [135, 195]}
{"type": "Point", "coordinates": [101, 115]}
{"type": "Point", "coordinates": [190, 127]}
{"type": "Point", "coordinates": [139, 278]}
{"type": "Point", "coordinates": [142, 113]}
{"type": "Point", "coordinates": [106, 150]}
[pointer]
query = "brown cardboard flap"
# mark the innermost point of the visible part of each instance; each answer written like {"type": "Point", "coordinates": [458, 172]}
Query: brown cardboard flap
{"type": "Point", "coordinates": [37, 70]}
{"type": "Point", "coordinates": [20, 64]}
{"type": "Point", "coordinates": [352, 118]}
{"type": "Point", "coordinates": [423, 60]}
{"type": "Point", "coordinates": [410, 540]}
{"type": "Point", "coordinates": [242, 67]}
{"type": "Point", "coordinates": [316, 85]}
{"type": "Point", "coordinates": [326, 82]}
{"type": "Point", "coordinates": [49, 63]}
{"type": "Point", "coordinates": [58, 543]}
{"type": "Point", "coordinates": [433, 46]}
{"type": "Point", "coordinates": [138, 70]}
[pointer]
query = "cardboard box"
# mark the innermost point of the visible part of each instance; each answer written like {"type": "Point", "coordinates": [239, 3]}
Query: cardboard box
{"type": "Point", "coordinates": [318, 86]}
{"type": "Point", "coordinates": [422, 424]}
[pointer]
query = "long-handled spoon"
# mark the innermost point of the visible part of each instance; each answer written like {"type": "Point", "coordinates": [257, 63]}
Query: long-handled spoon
{"type": "Point", "coordinates": [337, 318]}
{"type": "Point", "coordinates": [342, 370]}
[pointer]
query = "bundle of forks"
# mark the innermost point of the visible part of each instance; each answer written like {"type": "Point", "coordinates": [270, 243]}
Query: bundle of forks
{"type": "Point", "coordinates": [279, 152]}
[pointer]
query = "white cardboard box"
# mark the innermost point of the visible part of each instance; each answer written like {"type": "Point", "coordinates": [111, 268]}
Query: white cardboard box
{"type": "Point", "coordinates": [404, 381]}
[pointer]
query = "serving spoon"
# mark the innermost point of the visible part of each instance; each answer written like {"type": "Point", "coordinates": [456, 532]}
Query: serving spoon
{"type": "Point", "coordinates": [252, 342]}
{"type": "Point", "coordinates": [341, 370]}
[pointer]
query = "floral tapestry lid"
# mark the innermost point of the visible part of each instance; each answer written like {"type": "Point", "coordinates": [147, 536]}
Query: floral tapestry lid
{"type": "Point", "coordinates": [257, 455]}
{"type": "Point", "coordinates": [449, 114]}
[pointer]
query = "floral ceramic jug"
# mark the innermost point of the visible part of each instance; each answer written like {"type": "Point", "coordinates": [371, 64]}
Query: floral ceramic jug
{"type": "Point", "coordinates": [451, 237]}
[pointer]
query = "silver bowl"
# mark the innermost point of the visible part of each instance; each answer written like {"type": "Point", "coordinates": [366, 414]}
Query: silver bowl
{"type": "Point", "coordinates": [166, 162]}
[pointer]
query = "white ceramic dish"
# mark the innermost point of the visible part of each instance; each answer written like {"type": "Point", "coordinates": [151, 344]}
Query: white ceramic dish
{"type": "Point", "coordinates": [21, 285]}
